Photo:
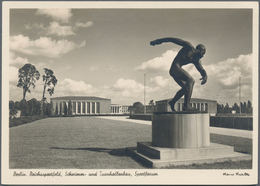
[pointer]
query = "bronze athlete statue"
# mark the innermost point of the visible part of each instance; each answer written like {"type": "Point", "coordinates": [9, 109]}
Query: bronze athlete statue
{"type": "Point", "coordinates": [188, 54]}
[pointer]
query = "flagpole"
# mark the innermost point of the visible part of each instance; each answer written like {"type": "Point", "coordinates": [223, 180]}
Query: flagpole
{"type": "Point", "coordinates": [239, 95]}
{"type": "Point", "coordinates": [144, 93]}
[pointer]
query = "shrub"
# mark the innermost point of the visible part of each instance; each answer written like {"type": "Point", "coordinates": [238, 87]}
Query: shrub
{"type": "Point", "coordinates": [23, 120]}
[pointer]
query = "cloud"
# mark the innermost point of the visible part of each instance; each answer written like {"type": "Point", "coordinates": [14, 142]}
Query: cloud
{"type": "Point", "coordinates": [127, 88]}
{"type": "Point", "coordinates": [93, 68]}
{"type": "Point", "coordinates": [56, 29]}
{"type": "Point", "coordinates": [160, 81]}
{"type": "Point", "coordinates": [162, 63]}
{"type": "Point", "coordinates": [16, 60]}
{"type": "Point", "coordinates": [62, 15]}
{"type": "Point", "coordinates": [72, 87]}
{"type": "Point", "coordinates": [30, 26]}
{"type": "Point", "coordinates": [65, 69]}
{"type": "Point", "coordinates": [223, 80]}
{"type": "Point", "coordinates": [43, 46]}
{"type": "Point", "coordinates": [84, 25]}
{"type": "Point", "coordinates": [128, 85]}
{"type": "Point", "coordinates": [228, 72]}
{"type": "Point", "coordinates": [13, 75]}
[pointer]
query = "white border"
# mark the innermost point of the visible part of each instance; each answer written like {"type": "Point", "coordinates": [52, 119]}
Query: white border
{"type": "Point", "coordinates": [170, 176]}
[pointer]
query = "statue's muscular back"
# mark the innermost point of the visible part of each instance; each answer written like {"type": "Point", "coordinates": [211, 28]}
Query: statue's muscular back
{"type": "Point", "coordinates": [185, 56]}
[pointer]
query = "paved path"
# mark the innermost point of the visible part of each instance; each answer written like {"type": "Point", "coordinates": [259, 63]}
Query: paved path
{"type": "Point", "coordinates": [213, 130]}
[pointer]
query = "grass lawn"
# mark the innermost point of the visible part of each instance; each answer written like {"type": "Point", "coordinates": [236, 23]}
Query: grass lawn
{"type": "Point", "coordinates": [78, 142]}
{"type": "Point", "coordinates": [92, 143]}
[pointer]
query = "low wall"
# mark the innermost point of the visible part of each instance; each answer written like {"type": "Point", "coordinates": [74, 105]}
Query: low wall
{"type": "Point", "coordinates": [147, 117]}
{"type": "Point", "coordinates": [245, 123]}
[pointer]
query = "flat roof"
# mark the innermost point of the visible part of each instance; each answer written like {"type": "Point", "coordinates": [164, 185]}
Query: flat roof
{"type": "Point", "coordinates": [79, 98]}
{"type": "Point", "coordinates": [192, 99]}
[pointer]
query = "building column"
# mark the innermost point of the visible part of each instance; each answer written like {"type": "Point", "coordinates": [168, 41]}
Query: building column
{"type": "Point", "coordinates": [62, 108]}
{"type": "Point", "coordinates": [80, 107]}
{"type": "Point", "coordinates": [67, 104]}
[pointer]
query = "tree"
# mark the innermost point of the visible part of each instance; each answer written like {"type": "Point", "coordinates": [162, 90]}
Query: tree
{"type": "Point", "coordinates": [51, 109]}
{"type": "Point", "coordinates": [151, 108]}
{"type": "Point", "coordinates": [49, 82]}
{"type": "Point", "coordinates": [138, 107]}
{"type": "Point", "coordinates": [24, 108]}
{"type": "Point", "coordinates": [13, 112]}
{"type": "Point", "coordinates": [17, 105]}
{"type": "Point", "coordinates": [130, 109]}
{"type": "Point", "coordinates": [249, 108]}
{"type": "Point", "coordinates": [33, 107]}
{"type": "Point", "coordinates": [227, 109]}
{"type": "Point", "coordinates": [235, 107]}
{"type": "Point", "coordinates": [27, 75]}
{"type": "Point", "coordinates": [11, 104]}
{"type": "Point", "coordinates": [244, 107]}
{"type": "Point", "coordinates": [220, 108]}
{"type": "Point", "coordinates": [151, 103]}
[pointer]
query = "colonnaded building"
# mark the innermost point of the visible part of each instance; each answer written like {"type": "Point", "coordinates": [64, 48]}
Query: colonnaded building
{"type": "Point", "coordinates": [87, 105]}
{"type": "Point", "coordinates": [90, 105]}
{"type": "Point", "coordinates": [206, 105]}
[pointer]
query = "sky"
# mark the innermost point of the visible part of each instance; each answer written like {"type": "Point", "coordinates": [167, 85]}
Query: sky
{"type": "Point", "coordinates": [106, 52]}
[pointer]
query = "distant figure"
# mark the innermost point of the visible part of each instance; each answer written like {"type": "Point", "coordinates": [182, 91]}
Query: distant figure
{"type": "Point", "coordinates": [188, 54]}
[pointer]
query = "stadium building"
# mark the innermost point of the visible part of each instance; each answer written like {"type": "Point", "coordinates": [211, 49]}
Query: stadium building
{"type": "Point", "coordinates": [206, 105]}
{"type": "Point", "coordinates": [82, 105]}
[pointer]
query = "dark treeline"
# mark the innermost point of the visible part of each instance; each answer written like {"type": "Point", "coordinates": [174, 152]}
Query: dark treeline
{"type": "Point", "coordinates": [245, 108]}
{"type": "Point", "coordinates": [138, 108]}
{"type": "Point", "coordinates": [30, 108]}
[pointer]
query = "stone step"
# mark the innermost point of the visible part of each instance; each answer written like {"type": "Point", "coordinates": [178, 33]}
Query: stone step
{"type": "Point", "coordinates": [163, 153]}
{"type": "Point", "coordinates": [156, 163]}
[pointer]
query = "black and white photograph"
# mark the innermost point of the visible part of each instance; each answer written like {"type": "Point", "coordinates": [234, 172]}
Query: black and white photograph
{"type": "Point", "coordinates": [130, 92]}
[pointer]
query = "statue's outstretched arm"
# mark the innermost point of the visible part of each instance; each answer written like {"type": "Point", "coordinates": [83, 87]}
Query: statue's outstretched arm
{"type": "Point", "coordinates": [202, 72]}
{"type": "Point", "coordinates": [172, 40]}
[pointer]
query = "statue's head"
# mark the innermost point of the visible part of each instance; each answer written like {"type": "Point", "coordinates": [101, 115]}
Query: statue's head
{"type": "Point", "coordinates": [201, 50]}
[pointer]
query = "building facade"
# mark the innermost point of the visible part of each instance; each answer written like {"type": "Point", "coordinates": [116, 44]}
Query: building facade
{"type": "Point", "coordinates": [206, 105]}
{"type": "Point", "coordinates": [116, 109]}
{"type": "Point", "coordinates": [81, 105]}
{"type": "Point", "coordinates": [125, 109]}
{"type": "Point", "coordinates": [119, 109]}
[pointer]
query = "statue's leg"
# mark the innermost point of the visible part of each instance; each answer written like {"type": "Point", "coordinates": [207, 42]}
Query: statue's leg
{"type": "Point", "coordinates": [180, 93]}
{"type": "Point", "coordinates": [186, 82]}
{"type": "Point", "coordinates": [187, 96]}
{"type": "Point", "coordinates": [177, 96]}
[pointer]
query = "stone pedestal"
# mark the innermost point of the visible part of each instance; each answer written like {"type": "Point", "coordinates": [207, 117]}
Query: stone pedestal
{"type": "Point", "coordinates": [180, 130]}
{"type": "Point", "coordinates": [182, 138]}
